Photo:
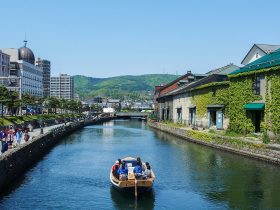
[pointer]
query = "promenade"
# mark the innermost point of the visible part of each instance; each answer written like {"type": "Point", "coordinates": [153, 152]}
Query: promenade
{"type": "Point", "coordinates": [35, 133]}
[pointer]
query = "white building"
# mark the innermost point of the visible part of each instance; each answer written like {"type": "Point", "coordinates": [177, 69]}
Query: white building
{"type": "Point", "coordinates": [62, 87]}
{"type": "Point", "coordinates": [4, 68]}
{"type": "Point", "coordinates": [24, 76]}
{"type": "Point", "coordinates": [257, 51]}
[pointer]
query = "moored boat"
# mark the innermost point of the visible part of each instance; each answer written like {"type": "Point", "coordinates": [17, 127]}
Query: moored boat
{"type": "Point", "coordinates": [131, 183]}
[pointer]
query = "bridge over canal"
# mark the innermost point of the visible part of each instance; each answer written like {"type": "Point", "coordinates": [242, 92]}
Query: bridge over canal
{"type": "Point", "coordinates": [132, 114]}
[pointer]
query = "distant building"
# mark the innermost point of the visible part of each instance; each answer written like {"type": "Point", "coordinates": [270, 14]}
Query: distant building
{"type": "Point", "coordinates": [225, 70]}
{"type": "Point", "coordinates": [173, 85]}
{"type": "Point", "coordinates": [45, 65]}
{"type": "Point", "coordinates": [4, 68]}
{"type": "Point", "coordinates": [114, 103]}
{"type": "Point", "coordinates": [97, 99]}
{"type": "Point", "coordinates": [108, 110]}
{"type": "Point", "coordinates": [258, 51]}
{"type": "Point", "coordinates": [24, 76]}
{"type": "Point", "coordinates": [62, 87]}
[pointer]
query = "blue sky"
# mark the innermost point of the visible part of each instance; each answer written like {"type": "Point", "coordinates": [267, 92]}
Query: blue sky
{"type": "Point", "coordinates": [103, 38]}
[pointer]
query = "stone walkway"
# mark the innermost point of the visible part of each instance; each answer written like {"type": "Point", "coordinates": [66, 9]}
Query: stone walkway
{"type": "Point", "coordinates": [36, 132]}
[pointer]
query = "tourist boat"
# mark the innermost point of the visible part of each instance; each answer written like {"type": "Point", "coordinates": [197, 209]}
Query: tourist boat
{"type": "Point", "coordinates": [131, 184]}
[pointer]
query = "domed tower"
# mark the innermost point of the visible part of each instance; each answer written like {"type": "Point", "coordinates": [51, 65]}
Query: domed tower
{"type": "Point", "coordinates": [24, 53]}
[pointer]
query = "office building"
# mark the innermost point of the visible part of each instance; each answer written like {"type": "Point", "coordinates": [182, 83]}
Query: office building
{"type": "Point", "coordinates": [4, 68]}
{"type": "Point", "coordinates": [45, 65]}
{"type": "Point", "coordinates": [62, 87]}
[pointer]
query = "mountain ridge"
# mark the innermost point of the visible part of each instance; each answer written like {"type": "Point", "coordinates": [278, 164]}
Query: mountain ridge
{"type": "Point", "coordinates": [125, 86]}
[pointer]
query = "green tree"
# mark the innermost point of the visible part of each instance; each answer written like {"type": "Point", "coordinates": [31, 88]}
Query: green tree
{"type": "Point", "coordinates": [13, 102]}
{"type": "Point", "coordinates": [4, 95]}
{"type": "Point", "coordinates": [64, 105]}
{"type": "Point", "coordinates": [79, 106]}
{"type": "Point", "coordinates": [96, 108]}
{"type": "Point", "coordinates": [73, 105]}
{"type": "Point", "coordinates": [53, 103]}
{"type": "Point", "coordinates": [26, 100]}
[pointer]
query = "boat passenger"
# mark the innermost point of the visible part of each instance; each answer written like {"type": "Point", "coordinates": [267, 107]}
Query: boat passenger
{"type": "Point", "coordinates": [123, 172]}
{"type": "Point", "coordinates": [147, 173]}
{"type": "Point", "coordinates": [115, 168]}
{"type": "Point", "coordinates": [138, 170]}
{"type": "Point", "coordinates": [138, 159]}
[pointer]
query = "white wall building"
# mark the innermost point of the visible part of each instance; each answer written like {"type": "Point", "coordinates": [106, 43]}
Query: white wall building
{"type": "Point", "coordinates": [24, 76]}
{"type": "Point", "coordinates": [32, 77]}
{"type": "Point", "coordinates": [4, 67]}
{"type": "Point", "coordinates": [62, 87]}
{"type": "Point", "coordinates": [257, 51]}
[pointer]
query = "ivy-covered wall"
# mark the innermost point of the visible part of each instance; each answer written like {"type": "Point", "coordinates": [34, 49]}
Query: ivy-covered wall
{"type": "Point", "coordinates": [240, 93]}
{"type": "Point", "coordinates": [272, 109]}
{"type": "Point", "coordinates": [213, 93]}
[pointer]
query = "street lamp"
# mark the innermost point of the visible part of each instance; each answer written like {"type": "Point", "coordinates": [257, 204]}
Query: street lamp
{"type": "Point", "coordinates": [41, 122]}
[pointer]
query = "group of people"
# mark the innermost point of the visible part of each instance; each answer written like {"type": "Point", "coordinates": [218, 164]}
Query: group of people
{"type": "Point", "coordinates": [141, 171]}
{"type": "Point", "coordinates": [11, 137]}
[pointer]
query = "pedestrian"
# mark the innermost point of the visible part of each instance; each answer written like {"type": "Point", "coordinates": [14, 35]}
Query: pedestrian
{"type": "Point", "coordinates": [1, 141]}
{"type": "Point", "coordinates": [26, 136]}
{"type": "Point", "coordinates": [10, 138]}
{"type": "Point", "coordinates": [4, 141]}
{"type": "Point", "coordinates": [18, 136]}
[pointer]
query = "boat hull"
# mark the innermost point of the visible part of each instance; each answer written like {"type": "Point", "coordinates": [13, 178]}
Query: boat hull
{"type": "Point", "coordinates": [132, 189]}
{"type": "Point", "coordinates": [129, 185]}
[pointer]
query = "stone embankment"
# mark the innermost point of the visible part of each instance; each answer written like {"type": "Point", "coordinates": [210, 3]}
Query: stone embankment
{"type": "Point", "coordinates": [250, 148]}
{"type": "Point", "coordinates": [16, 161]}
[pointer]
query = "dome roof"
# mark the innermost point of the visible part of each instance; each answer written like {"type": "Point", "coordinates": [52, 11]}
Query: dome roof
{"type": "Point", "coordinates": [24, 53]}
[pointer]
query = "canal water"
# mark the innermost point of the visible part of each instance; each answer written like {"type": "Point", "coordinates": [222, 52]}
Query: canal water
{"type": "Point", "coordinates": [75, 174]}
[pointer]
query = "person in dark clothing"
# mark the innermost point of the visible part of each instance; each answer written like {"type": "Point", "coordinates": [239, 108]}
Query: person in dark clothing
{"type": "Point", "coordinates": [4, 141]}
{"type": "Point", "coordinates": [138, 159]}
{"type": "Point", "coordinates": [123, 172]}
{"type": "Point", "coordinates": [138, 170]}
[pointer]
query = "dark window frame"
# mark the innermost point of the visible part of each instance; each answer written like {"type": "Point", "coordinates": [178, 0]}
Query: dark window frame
{"type": "Point", "coordinates": [256, 85]}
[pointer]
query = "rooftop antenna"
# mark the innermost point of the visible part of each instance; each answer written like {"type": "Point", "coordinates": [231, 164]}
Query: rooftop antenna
{"type": "Point", "coordinates": [25, 41]}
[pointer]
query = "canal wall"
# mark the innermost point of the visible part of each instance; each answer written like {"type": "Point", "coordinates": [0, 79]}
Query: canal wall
{"type": "Point", "coordinates": [241, 146]}
{"type": "Point", "coordinates": [15, 162]}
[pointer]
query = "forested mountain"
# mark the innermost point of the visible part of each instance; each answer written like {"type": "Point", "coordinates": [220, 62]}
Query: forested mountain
{"type": "Point", "coordinates": [129, 86]}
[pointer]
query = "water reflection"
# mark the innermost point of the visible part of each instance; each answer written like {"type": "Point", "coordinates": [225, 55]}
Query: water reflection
{"type": "Point", "coordinates": [75, 174]}
{"type": "Point", "coordinates": [226, 179]}
{"type": "Point", "coordinates": [126, 200]}
{"type": "Point", "coordinates": [108, 129]}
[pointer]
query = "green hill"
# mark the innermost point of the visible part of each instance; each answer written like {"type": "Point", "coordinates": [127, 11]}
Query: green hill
{"type": "Point", "coordinates": [120, 86]}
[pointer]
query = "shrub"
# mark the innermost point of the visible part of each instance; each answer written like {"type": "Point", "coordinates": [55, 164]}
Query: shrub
{"type": "Point", "coordinates": [266, 138]}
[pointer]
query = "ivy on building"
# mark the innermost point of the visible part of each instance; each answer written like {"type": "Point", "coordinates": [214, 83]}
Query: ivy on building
{"type": "Point", "coordinates": [272, 110]}
{"type": "Point", "coordinates": [212, 93]}
{"type": "Point", "coordinates": [240, 93]}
